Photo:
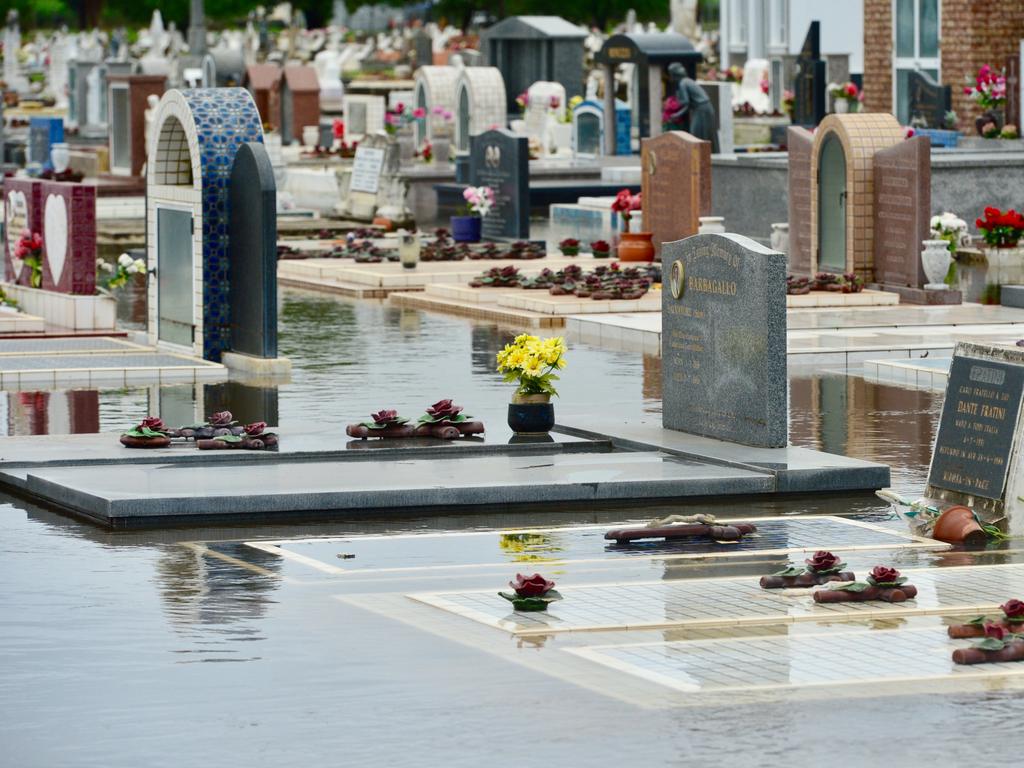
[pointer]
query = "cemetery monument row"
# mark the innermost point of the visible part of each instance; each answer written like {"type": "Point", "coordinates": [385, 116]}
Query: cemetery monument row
{"type": "Point", "coordinates": [724, 340]}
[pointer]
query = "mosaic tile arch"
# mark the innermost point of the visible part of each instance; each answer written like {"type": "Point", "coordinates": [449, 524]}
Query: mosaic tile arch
{"type": "Point", "coordinates": [196, 135]}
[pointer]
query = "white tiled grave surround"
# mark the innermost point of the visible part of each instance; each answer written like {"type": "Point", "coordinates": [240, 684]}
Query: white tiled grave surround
{"type": "Point", "coordinates": [586, 544]}
{"type": "Point", "coordinates": [730, 601]}
{"type": "Point", "coordinates": [795, 661]}
{"type": "Point", "coordinates": [174, 180]}
{"type": "Point", "coordinates": [13, 321]}
{"type": "Point", "coordinates": [66, 310]}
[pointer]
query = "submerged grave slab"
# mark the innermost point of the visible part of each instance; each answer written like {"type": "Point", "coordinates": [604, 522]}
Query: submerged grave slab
{"type": "Point", "coordinates": [729, 601]}
{"type": "Point", "coordinates": [795, 661]}
{"type": "Point", "coordinates": [547, 547]}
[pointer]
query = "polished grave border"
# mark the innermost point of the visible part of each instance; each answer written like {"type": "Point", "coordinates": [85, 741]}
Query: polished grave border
{"type": "Point", "coordinates": [897, 539]}
{"type": "Point", "coordinates": [728, 601]}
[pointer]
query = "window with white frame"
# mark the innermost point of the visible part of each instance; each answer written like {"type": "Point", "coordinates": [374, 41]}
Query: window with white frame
{"type": "Point", "coordinates": [915, 47]}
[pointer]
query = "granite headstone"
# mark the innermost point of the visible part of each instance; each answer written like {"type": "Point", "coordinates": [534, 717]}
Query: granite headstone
{"type": "Point", "coordinates": [500, 159]}
{"type": "Point", "coordinates": [929, 100]}
{"type": "Point", "coordinates": [902, 209]}
{"type": "Point", "coordinates": [69, 237]}
{"type": "Point", "coordinates": [724, 340]}
{"type": "Point", "coordinates": [801, 145]}
{"type": "Point", "coordinates": [252, 252]}
{"type": "Point", "coordinates": [809, 84]}
{"type": "Point", "coordinates": [676, 184]}
{"type": "Point", "coordinates": [977, 457]}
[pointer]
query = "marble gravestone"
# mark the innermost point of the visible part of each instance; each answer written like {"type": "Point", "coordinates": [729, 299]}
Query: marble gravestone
{"type": "Point", "coordinates": [978, 459]}
{"type": "Point", "coordinates": [809, 85]}
{"type": "Point", "coordinates": [364, 184]}
{"type": "Point", "coordinates": [500, 159]}
{"type": "Point", "coordinates": [902, 212]}
{"type": "Point", "coordinates": [929, 100]}
{"type": "Point", "coordinates": [676, 184]}
{"type": "Point", "coordinates": [252, 252]}
{"type": "Point", "coordinates": [723, 343]}
{"type": "Point", "coordinates": [801, 145]}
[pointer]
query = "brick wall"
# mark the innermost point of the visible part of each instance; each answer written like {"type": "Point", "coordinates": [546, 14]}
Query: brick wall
{"type": "Point", "coordinates": [974, 32]}
{"type": "Point", "coordinates": [878, 55]}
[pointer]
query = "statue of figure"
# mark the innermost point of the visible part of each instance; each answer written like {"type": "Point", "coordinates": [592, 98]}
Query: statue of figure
{"type": "Point", "coordinates": [695, 109]}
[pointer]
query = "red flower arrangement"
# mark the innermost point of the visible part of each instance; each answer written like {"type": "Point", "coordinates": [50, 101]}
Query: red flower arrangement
{"type": "Point", "coordinates": [30, 250]}
{"type": "Point", "coordinates": [999, 229]}
{"type": "Point", "coordinates": [625, 203]}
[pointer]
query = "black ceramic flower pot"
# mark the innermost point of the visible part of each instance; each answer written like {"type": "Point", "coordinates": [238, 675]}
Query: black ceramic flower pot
{"type": "Point", "coordinates": [531, 418]}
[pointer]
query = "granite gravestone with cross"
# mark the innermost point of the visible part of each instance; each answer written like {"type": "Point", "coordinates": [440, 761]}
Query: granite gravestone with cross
{"type": "Point", "coordinates": [500, 159]}
{"type": "Point", "coordinates": [809, 85]}
{"type": "Point", "coordinates": [676, 184]}
{"type": "Point", "coordinates": [723, 343]}
{"type": "Point", "coordinates": [929, 100]}
{"type": "Point", "coordinates": [978, 459]}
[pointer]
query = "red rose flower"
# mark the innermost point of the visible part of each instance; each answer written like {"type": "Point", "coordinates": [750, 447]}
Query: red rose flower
{"type": "Point", "coordinates": [444, 409]}
{"type": "Point", "coordinates": [822, 561]}
{"type": "Point", "coordinates": [1014, 609]}
{"type": "Point", "coordinates": [255, 429]}
{"type": "Point", "coordinates": [881, 574]}
{"type": "Point", "coordinates": [386, 416]}
{"type": "Point", "coordinates": [996, 631]}
{"type": "Point", "coordinates": [154, 423]}
{"type": "Point", "coordinates": [531, 586]}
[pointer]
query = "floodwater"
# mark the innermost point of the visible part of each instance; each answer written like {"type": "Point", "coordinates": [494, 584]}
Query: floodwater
{"type": "Point", "coordinates": [188, 647]}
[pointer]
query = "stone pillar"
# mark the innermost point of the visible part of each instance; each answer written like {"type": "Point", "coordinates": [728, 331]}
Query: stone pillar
{"type": "Point", "coordinates": [609, 108]}
{"type": "Point", "coordinates": [197, 30]}
{"type": "Point", "coordinates": [656, 96]}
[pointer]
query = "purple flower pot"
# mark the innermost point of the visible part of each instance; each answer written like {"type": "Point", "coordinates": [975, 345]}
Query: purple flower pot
{"type": "Point", "coordinates": [466, 229]}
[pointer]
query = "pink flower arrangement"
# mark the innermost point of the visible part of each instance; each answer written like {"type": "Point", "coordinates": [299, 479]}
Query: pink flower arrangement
{"type": "Point", "coordinates": [444, 114]}
{"type": "Point", "coordinates": [479, 200]}
{"type": "Point", "coordinates": [989, 89]}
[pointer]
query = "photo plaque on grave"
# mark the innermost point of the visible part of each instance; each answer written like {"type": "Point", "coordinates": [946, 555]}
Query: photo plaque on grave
{"type": "Point", "coordinates": [980, 431]}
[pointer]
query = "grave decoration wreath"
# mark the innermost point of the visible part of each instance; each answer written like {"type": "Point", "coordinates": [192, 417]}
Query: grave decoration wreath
{"type": "Point", "coordinates": [822, 568]}
{"type": "Point", "coordinates": [253, 437]}
{"type": "Point", "coordinates": [151, 432]}
{"type": "Point", "coordinates": [444, 419]}
{"type": "Point", "coordinates": [1012, 620]}
{"type": "Point", "coordinates": [997, 644]}
{"type": "Point", "coordinates": [531, 593]}
{"type": "Point", "coordinates": [883, 583]}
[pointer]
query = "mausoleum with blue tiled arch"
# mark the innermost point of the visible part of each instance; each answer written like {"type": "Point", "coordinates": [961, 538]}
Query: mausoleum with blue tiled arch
{"type": "Point", "coordinates": [194, 137]}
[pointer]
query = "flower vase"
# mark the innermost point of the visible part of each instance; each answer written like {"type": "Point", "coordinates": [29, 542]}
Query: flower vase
{"type": "Point", "coordinates": [406, 145]}
{"type": "Point", "coordinates": [936, 258]}
{"type": "Point", "coordinates": [60, 156]}
{"type": "Point", "coordinates": [840, 106]}
{"type": "Point", "coordinates": [711, 225]}
{"type": "Point", "coordinates": [466, 229]}
{"type": "Point", "coordinates": [636, 246]}
{"type": "Point", "coordinates": [442, 149]}
{"type": "Point", "coordinates": [531, 414]}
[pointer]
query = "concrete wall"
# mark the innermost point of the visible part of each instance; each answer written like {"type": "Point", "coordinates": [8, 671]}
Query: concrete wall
{"type": "Point", "coordinates": [752, 193]}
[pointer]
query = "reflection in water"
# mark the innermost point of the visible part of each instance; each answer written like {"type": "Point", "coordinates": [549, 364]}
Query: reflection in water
{"type": "Point", "coordinates": [199, 589]}
{"type": "Point", "coordinates": [49, 413]}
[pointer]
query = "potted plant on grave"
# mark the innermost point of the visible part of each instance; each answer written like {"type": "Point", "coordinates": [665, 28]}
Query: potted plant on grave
{"type": "Point", "coordinates": [1002, 232]}
{"type": "Point", "coordinates": [531, 593]}
{"type": "Point", "coordinates": [399, 122]}
{"type": "Point", "coordinates": [441, 135]}
{"type": "Point", "coordinates": [531, 364]}
{"type": "Point", "coordinates": [633, 246]}
{"type": "Point", "coordinates": [150, 433]}
{"type": "Point", "coordinates": [570, 246]}
{"type": "Point", "coordinates": [601, 249]}
{"type": "Point", "coordinates": [845, 97]}
{"type": "Point", "coordinates": [466, 228]}
{"type": "Point", "coordinates": [989, 93]}
{"type": "Point", "coordinates": [121, 272]}
{"type": "Point", "coordinates": [30, 251]}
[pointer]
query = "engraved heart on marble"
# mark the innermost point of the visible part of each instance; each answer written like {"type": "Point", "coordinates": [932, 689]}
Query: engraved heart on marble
{"type": "Point", "coordinates": [16, 221]}
{"type": "Point", "coordinates": [55, 235]}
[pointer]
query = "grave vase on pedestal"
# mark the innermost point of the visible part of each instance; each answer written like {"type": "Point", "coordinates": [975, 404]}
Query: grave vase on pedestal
{"type": "Point", "coordinates": [406, 144]}
{"type": "Point", "coordinates": [466, 229]}
{"type": "Point", "coordinates": [936, 258]}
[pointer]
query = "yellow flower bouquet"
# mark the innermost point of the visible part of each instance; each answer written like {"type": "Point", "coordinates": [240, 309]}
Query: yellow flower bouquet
{"type": "Point", "coordinates": [532, 363]}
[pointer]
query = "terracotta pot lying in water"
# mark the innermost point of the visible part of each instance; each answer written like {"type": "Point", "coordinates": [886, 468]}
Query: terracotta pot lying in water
{"type": "Point", "coordinates": [957, 525]}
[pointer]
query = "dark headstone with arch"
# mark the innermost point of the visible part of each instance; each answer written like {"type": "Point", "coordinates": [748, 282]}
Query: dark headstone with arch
{"type": "Point", "coordinates": [252, 252]}
{"type": "Point", "coordinates": [501, 160]}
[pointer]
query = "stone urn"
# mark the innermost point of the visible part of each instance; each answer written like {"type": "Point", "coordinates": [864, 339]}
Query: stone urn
{"type": "Point", "coordinates": [936, 259]}
{"type": "Point", "coordinates": [711, 225]}
{"type": "Point", "coordinates": [531, 414]}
